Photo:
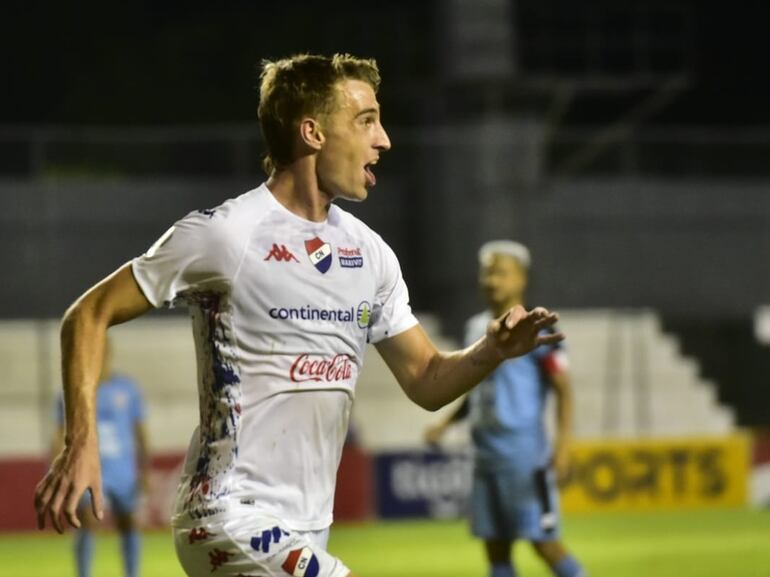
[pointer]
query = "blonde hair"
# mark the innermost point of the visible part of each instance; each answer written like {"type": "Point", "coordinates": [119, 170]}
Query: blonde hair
{"type": "Point", "coordinates": [301, 85]}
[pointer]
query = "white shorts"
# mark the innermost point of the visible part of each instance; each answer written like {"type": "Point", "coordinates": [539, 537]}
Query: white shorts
{"type": "Point", "coordinates": [246, 545]}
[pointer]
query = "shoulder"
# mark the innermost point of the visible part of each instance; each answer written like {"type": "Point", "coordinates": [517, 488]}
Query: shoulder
{"type": "Point", "coordinates": [228, 221]}
{"type": "Point", "coordinates": [369, 240]}
{"type": "Point", "coordinates": [216, 237]}
{"type": "Point", "coordinates": [352, 225]}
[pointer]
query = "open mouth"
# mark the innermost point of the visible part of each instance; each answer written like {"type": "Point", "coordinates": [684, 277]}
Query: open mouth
{"type": "Point", "coordinates": [371, 180]}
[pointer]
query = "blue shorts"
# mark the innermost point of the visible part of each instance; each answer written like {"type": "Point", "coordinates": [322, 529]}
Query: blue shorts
{"type": "Point", "coordinates": [120, 496]}
{"type": "Point", "coordinates": [515, 504]}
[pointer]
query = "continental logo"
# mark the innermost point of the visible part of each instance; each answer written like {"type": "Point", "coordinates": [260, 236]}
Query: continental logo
{"type": "Point", "coordinates": [361, 315]}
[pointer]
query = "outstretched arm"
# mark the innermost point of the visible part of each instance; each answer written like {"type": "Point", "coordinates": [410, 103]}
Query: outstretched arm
{"type": "Point", "coordinates": [114, 300]}
{"type": "Point", "coordinates": [432, 378]}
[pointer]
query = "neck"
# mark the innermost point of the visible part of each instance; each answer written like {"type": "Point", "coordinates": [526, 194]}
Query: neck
{"type": "Point", "coordinates": [502, 308]}
{"type": "Point", "coordinates": [296, 188]}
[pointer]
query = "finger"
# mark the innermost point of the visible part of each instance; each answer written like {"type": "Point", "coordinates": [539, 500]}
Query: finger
{"type": "Point", "coordinates": [41, 488]}
{"type": "Point", "coordinates": [71, 506]}
{"type": "Point", "coordinates": [55, 520]}
{"type": "Point", "coordinates": [42, 499]}
{"type": "Point", "coordinates": [523, 325]}
{"type": "Point", "coordinates": [97, 500]}
{"type": "Point", "coordinates": [56, 505]}
{"type": "Point", "coordinates": [46, 499]}
{"type": "Point", "coordinates": [536, 316]}
{"type": "Point", "coordinates": [546, 315]}
{"type": "Point", "coordinates": [545, 322]}
{"type": "Point", "coordinates": [550, 339]}
{"type": "Point", "coordinates": [514, 316]}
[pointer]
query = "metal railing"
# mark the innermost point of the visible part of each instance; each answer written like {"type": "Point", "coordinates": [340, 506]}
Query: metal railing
{"type": "Point", "coordinates": [236, 150]}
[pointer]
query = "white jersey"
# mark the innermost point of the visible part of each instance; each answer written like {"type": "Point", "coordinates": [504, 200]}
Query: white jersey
{"type": "Point", "coordinates": [282, 310]}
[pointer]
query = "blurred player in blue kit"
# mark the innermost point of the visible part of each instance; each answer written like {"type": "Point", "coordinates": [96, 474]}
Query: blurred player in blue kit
{"type": "Point", "coordinates": [123, 457]}
{"type": "Point", "coordinates": [514, 492]}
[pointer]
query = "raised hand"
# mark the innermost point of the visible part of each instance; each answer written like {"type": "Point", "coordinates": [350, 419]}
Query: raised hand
{"type": "Point", "coordinates": [73, 471]}
{"type": "Point", "coordinates": [518, 332]}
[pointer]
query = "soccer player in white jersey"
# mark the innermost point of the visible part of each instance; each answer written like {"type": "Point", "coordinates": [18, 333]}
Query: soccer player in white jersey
{"type": "Point", "coordinates": [285, 289]}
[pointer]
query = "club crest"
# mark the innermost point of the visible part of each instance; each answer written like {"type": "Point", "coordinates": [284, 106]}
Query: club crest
{"type": "Point", "coordinates": [320, 253]}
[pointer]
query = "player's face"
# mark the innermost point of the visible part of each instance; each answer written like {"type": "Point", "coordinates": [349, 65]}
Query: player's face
{"type": "Point", "coordinates": [502, 280]}
{"type": "Point", "coordinates": [354, 139]}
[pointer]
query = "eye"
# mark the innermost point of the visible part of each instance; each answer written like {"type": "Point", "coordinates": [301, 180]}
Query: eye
{"type": "Point", "coordinates": [369, 120]}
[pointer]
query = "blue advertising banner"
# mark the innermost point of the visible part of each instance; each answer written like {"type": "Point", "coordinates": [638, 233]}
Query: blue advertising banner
{"type": "Point", "coordinates": [417, 484]}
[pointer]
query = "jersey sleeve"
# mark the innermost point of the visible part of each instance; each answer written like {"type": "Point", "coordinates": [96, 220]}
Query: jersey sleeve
{"type": "Point", "coordinates": [391, 313]}
{"type": "Point", "coordinates": [200, 253]}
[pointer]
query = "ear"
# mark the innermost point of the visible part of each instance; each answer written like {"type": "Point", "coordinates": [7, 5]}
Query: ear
{"type": "Point", "coordinates": [311, 134]}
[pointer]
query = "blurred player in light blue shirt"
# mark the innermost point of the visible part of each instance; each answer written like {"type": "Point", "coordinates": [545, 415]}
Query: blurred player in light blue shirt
{"type": "Point", "coordinates": [124, 460]}
{"type": "Point", "coordinates": [514, 494]}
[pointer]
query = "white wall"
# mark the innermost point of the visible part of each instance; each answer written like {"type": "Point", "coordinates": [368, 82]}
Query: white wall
{"type": "Point", "coordinates": [629, 380]}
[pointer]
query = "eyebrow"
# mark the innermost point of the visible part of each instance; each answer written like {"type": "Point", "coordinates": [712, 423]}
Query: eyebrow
{"type": "Point", "coordinates": [368, 111]}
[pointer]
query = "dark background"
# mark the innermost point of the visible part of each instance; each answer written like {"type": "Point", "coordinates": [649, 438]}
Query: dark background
{"type": "Point", "coordinates": [171, 62]}
{"type": "Point", "coordinates": [628, 143]}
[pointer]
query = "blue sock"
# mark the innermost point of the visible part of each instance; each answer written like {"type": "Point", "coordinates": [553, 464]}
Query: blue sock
{"type": "Point", "coordinates": [502, 570]}
{"type": "Point", "coordinates": [84, 552]}
{"type": "Point", "coordinates": [130, 545]}
{"type": "Point", "coordinates": [568, 567]}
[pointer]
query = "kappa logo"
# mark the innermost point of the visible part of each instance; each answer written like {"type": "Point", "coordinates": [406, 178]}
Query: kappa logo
{"type": "Point", "coordinates": [320, 253]}
{"type": "Point", "coordinates": [302, 563]}
{"type": "Point", "coordinates": [199, 534]}
{"type": "Point", "coordinates": [350, 257]}
{"type": "Point", "coordinates": [218, 557]}
{"type": "Point", "coordinates": [281, 254]}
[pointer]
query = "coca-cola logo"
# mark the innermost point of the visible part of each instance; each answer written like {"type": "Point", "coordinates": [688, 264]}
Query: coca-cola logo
{"type": "Point", "coordinates": [308, 367]}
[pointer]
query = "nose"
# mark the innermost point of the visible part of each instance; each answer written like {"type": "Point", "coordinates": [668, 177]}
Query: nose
{"type": "Point", "coordinates": [383, 141]}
